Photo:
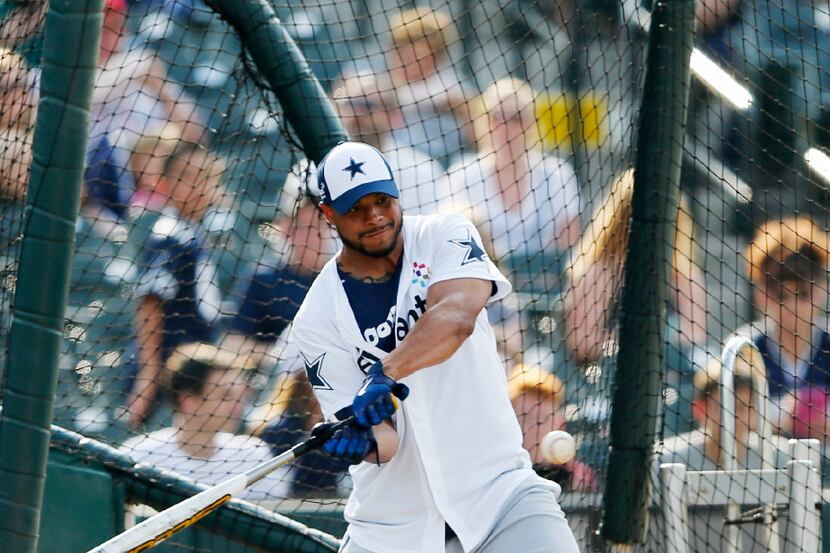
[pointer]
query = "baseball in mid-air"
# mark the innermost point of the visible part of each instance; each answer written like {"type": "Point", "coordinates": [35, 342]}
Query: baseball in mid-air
{"type": "Point", "coordinates": [558, 447]}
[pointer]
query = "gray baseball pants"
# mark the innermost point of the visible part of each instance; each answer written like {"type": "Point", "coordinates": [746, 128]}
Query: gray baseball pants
{"type": "Point", "coordinates": [531, 521]}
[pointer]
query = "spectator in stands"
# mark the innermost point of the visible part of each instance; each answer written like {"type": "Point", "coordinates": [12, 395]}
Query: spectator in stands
{"type": "Point", "coordinates": [702, 448]}
{"type": "Point", "coordinates": [270, 298]}
{"type": "Point", "coordinates": [133, 94]}
{"type": "Point", "coordinates": [17, 119]}
{"type": "Point", "coordinates": [525, 203]}
{"type": "Point", "coordinates": [178, 299]}
{"type": "Point", "coordinates": [369, 113]}
{"type": "Point", "coordinates": [537, 397]}
{"type": "Point", "coordinates": [523, 200]}
{"type": "Point", "coordinates": [431, 96]}
{"type": "Point", "coordinates": [787, 265]}
{"type": "Point", "coordinates": [208, 388]}
{"type": "Point", "coordinates": [286, 419]}
{"type": "Point", "coordinates": [593, 297]}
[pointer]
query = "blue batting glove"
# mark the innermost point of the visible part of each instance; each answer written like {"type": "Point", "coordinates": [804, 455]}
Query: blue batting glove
{"type": "Point", "coordinates": [373, 403]}
{"type": "Point", "coordinates": [350, 443]}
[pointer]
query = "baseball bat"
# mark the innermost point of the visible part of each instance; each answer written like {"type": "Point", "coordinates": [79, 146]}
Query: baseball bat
{"type": "Point", "coordinates": [161, 526]}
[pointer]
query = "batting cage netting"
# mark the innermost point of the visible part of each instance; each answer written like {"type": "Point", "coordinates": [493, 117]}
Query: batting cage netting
{"type": "Point", "coordinates": [697, 351]}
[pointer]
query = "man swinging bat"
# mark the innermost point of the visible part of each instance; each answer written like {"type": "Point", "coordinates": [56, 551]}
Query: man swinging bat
{"type": "Point", "coordinates": [401, 306]}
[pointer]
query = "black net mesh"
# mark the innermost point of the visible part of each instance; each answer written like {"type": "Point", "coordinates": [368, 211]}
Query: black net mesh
{"type": "Point", "coordinates": [199, 232]}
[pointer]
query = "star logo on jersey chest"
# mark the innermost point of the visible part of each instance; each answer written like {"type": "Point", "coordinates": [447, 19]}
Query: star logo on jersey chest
{"type": "Point", "coordinates": [313, 369]}
{"type": "Point", "coordinates": [473, 252]}
{"type": "Point", "coordinates": [354, 168]}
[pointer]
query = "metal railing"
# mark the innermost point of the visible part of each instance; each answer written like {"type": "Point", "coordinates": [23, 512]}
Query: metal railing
{"type": "Point", "coordinates": [729, 358]}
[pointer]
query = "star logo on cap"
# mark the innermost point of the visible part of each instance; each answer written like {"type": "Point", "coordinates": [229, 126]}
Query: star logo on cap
{"type": "Point", "coordinates": [354, 168]}
{"type": "Point", "coordinates": [474, 251]}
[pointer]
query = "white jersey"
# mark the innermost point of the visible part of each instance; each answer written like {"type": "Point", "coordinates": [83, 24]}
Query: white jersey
{"type": "Point", "coordinates": [460, 453]}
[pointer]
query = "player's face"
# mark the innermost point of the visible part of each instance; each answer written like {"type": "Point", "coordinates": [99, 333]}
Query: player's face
{"type": "Point", "coordinates": [371, 227]}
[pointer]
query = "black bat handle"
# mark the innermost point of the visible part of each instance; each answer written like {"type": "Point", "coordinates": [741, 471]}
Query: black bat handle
{"type": "Point", "coordinates": [321, 436]}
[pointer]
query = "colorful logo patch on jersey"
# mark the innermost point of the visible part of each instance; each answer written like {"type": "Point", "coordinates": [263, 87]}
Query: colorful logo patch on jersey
{"type": "Point", "coordinates": [473, 252]}
{"type": "Point", "coordinates": [420, 274]}
{"type": "Point", "coordinates": [313, 369]}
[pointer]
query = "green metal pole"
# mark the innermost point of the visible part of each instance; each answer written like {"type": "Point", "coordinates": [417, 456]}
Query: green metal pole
{"type": "Point", "coordinates": [280, 61]}
{"type": "Point", "coordinates": [70, 53]}
{"type": "Point", "coordinates": [637, 392]}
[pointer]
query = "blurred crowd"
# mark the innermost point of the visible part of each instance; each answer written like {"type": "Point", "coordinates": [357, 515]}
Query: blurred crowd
{"type": "Point", "coordinates": [202, 377]}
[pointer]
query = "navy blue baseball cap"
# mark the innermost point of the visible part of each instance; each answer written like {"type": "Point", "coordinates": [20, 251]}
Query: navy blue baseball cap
{"type": "Point", "coordinates": [352, 170]}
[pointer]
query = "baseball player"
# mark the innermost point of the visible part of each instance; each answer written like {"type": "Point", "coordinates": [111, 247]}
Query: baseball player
{"type": "Point", "coordinates": [401, 306]}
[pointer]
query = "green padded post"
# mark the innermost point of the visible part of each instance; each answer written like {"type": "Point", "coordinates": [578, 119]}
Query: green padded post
{"type": "Point", "coordinates": [277, 57]}
{"type": "Point", "coordinates": [70, 54]}
{"type": "Point", "coordinates": [637, 390]}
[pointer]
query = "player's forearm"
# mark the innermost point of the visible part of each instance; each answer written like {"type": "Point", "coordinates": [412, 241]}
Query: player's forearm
{"type": "Point", "coordinates": [387, 439]}
{"type": "Point", "coordinates": [436, 337]}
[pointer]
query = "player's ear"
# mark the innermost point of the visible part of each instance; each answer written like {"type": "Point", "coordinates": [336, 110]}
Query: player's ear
{"type": "Point", "coordinates": [328, 211]}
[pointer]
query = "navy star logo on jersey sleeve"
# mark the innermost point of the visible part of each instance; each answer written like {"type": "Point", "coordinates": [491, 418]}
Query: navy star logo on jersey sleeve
{"type": "Point", "coordinates": [313, 369]}
{"type": "Point", "coordinates": [474, 251]}
{"type": "Point", "coordinates": [354, 168]}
